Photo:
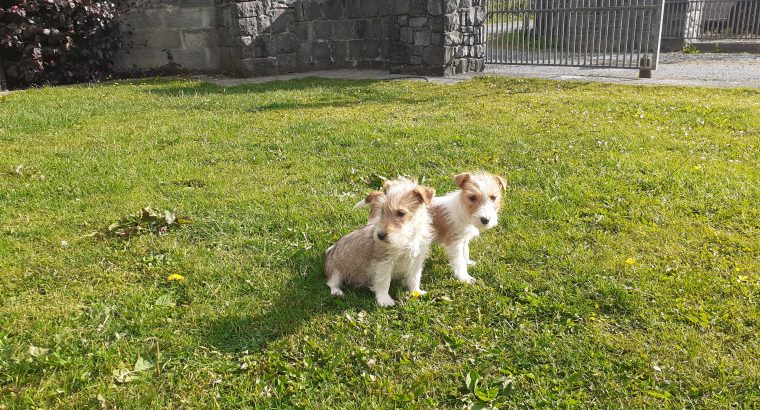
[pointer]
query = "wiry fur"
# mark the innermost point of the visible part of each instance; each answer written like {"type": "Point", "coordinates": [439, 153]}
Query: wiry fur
{"type": "Point", "coordinates": [391, 246]}
{"type": "Point", "coordinates": [459, 216]}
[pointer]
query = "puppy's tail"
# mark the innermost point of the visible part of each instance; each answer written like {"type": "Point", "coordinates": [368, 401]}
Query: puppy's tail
{"type": "Point", "coordinates": [329, 250]}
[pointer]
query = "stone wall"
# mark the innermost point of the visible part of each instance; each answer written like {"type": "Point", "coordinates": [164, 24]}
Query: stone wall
{"type": "Point", "coordinates": [169, 34]}
{"type": "Point", "coordinates": [281, 36]}
{"type": "Point", "coordinates": [265, 37]}
{"type": "Point", "coordinates": [438, 37]}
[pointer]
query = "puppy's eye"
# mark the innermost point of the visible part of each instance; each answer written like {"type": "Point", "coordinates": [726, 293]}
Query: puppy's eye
{"type": "Point", "coordinates": [400, 214]}
{"type": "Point", "coordinates": [493, 197]}
{"type": "Point", "coordinates": [472, 198]}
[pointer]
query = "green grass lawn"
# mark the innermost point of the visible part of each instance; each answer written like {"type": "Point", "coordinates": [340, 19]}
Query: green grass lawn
{"type": "Point", "coordinates": [625, 271]}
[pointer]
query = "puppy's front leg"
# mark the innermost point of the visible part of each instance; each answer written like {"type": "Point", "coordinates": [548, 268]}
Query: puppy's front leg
{"type": "Point", "coordinates": [381, 283]}
{"type": "Point", "coordinates": [414, 276]}
{"type": "Point", "coordinates": [458, 262]}
{"type": "Point", "coordinates": [466, 252]}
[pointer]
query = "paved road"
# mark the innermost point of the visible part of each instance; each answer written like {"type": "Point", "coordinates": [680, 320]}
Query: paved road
{"type": "Point", "coordinates": [710, 70]}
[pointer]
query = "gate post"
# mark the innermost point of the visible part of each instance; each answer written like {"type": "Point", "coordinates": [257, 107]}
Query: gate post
{"type": "Point", "coordinates": [3, 84]}
{"type": "Point", "coordinates": [439, 37]}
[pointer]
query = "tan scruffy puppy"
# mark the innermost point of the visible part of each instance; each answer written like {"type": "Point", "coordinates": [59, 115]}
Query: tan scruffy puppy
{"type": "Point", "coordinates": [393, 245]}
{"type": "Point", "coordinates": [459, 216]}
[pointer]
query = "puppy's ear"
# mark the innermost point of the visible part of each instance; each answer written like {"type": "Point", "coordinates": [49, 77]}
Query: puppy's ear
{"type": "Point", "coordinates": [369, 200]}
{"type": "Point", "coordinates": [387, 184]}
{"type": "Point", "coordinates": [501, 181]}
{"type": "Point", "coordinates": [461, 179]}
{"type": "Point", "coordinates": [424, 194]}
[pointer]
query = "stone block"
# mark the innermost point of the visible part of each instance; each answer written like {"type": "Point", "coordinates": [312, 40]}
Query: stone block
{"type": "Point", "coordinates": [480, 16]}
{"type": "Point", "coordinates": [344, 29]}
{"type": "Point", "coordinates": [260, 66]}
{"type": "Point", "coordinates": [415, 50]}
{"type": "Point", "coordinates": [371, 49]}
{"type": "Point", "coordinates": [418, 21]}
{"type": "Point", "coordinates": [264, 23]}
{"type": "Point", "coordinates": [312, 10]}
{"type": "Point", "coordinates": [332, 9]}
{"type": "Point", "coordinates": [415, 60]}
{"type": "Point", "coordinates": [436, 39]}
{"type": "Point", "coordinates": [356, 50]}
{"type": "Point", "coordinates": [450, 6]}
{"type": "Point", "coordinates": [375, 28]}
{"type": "Point", "coordinates": [369, 8]}
{"type": "Point", "coordinates": [196, 3]}
{"type": "Point", "coordinates": [250, 9]}
{"type": "Point", "coordinates": [246, 27]}
{"type": "Point", "coordinates": [303, 30]}
{"type": "Point", "coordinates": [322, 30]}
{"type": "Point", "coordinates": [433, 56]}
{"type": "Point", "coordinates": [406, 35]}
{"type": "Point", "coordinates": [321, 54]}
{"type": "Point", "coordinates": [160, 40]}
{"type": "Point", "coordinates": [201, 38]}
{"type": "Point", "coordinates": [304, 55]}
{"type": "Point", "coordinates": [281, 19]}
{"type": "Point", "coordinates": [421, 38]}
{"type": "Point", "coordinates": [399, 55]}
{"type": "Point", "coordinates": [402, 20]}
{"type": "Point", "coordinates": [352, 9]}
{"type": "Point", "coordinates": [287, 63]}
{"type": "Point", "coordinates": [339, 49]}
{"type": "Point", "coordinates": [195, 59]}
{"type": "Point", "coordinates": [285, 43]}
{"type": "Point", "coordinates": [361, 27]}
{"type": "Point", "coordinates": [400, 6]}
{"type": "Point", "coordinates": [188, 18]}
{"type": "Point", "coordinates": [452, 38]}
{"type": "Point", "coordinates": [263, 46]}
{"type": "Point", "coordinates": [435, 8]}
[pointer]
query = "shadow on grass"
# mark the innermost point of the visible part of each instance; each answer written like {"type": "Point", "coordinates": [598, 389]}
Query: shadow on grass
{"type": "Point", "coordinates": [302, 298]}
{"type": "Point", "coordinates": [307, 93]}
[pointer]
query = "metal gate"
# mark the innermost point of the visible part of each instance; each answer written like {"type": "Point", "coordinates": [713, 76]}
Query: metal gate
{"type": "Point", "coordinates": [709, 20]}
{"type": "Point", "coordinates": [586, 33]}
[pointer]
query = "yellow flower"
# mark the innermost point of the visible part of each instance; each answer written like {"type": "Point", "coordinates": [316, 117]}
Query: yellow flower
{"type": "Point", "coordinates": [696, 167]}
{"type": "Point", "coordinates": [416, 294]}
{"type": "Point", "coordinates": [175, 277]}
{"type": "Point", "coordinates": [630, 261]}
{"type": "Point", "coordinates": [738, 269]}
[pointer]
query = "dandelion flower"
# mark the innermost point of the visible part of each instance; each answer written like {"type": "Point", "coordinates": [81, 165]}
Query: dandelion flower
{"type": "Point", "coordinates": [696, 167]}
{"type": "Point", "coordinates": [416, 294]}
{"type": "Point", "coordinates": [630, 261]}
{"type": "Point", "coordinates": [175, 277]}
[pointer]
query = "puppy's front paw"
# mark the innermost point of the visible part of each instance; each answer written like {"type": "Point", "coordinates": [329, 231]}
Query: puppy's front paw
{"type": "Point", "coordinates": [385, 301]}
{"type": "Point", "coordinates": [470, 262]}
{"type": "Point", "coordinates": [466, 279]}
{"type": "Point", "coordinates": [336, 292]}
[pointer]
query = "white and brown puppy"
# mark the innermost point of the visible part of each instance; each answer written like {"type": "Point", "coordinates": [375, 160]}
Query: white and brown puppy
{"type": "Point", "coordinates": [459, 216]}
{"type": "Point", "coordinates": [393, 245]}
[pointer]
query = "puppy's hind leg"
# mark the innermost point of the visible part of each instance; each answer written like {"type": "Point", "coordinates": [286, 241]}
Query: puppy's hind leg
{"type": "Point", "coordinates": [334, 283]}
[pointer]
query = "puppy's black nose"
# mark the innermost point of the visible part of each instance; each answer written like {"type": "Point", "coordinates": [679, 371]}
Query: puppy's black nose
{"type": "Point", "coordinates": [382, 235]}
{"type": "Point", "coordinates": [484, 221]}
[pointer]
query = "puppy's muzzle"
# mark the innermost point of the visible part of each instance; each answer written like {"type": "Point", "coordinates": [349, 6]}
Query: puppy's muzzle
{"type": "Point", "coordinates": [484, 221]}
{"type": "Point", "coordinates": [382, 236]}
